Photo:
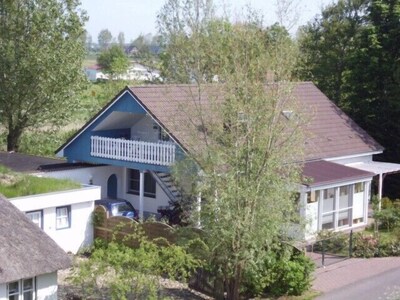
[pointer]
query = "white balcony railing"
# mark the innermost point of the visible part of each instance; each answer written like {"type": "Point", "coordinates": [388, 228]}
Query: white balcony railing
{"type": "Point", "coordinates": [161, 153]}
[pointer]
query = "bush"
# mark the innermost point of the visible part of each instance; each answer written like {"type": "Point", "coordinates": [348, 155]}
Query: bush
{"type": "Point", "coordinates": [365, 245]}
{"type": "Point", "coordinates": [332, 242]}
{"type": "Point", "coordinates": [283, 271]}
{"type": "Point", "coordinates": [388, 218]}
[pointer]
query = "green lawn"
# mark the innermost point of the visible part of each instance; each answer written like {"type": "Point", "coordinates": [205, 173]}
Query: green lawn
{"type": "Point", "coordinates": [14, 184]}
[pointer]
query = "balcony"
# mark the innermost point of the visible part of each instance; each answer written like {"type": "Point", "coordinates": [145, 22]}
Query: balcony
{"type": "Point", "coordinates": [160, 153]}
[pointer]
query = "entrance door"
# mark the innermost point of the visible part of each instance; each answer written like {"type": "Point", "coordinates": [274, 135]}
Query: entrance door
{"type": "Point", "coordinates": [112, 184]}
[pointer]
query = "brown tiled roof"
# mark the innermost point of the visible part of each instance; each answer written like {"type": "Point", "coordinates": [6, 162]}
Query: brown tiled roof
{"type": "Point", "coordinates": [329, 132]}
{"type": "Point", "coordinates": [317, 173]}
{"type": "Point", "coordinates": [25, 250]}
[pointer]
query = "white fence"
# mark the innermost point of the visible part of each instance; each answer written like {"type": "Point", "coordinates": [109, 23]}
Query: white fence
{"type": "Point", "coordinates": [161, 153]}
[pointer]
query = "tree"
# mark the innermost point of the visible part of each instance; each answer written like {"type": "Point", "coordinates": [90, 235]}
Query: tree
{"type": "Point", "coordinates": [104, 39]}
{"type": "Point", "coordinates": [113, 61]}
{"type": "Point", "coordinates": [121, 40]}
{"type": "Point", "coordinates": [237, 135]}
{"type": "Point", "coordinates": [40, 64]}
{"type": "Point", "coordinates": [351, 53]}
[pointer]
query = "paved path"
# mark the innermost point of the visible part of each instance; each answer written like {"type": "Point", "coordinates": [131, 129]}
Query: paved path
{"type": "Point", "coordinates": [351, 271]}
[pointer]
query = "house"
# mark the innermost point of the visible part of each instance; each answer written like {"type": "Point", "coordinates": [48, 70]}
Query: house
{"type": "Point", "coordinates": [140, 133]}
{"type": "Point", "coordinates": [65, 216]}
{"type": "Point", "coordinates": [29, 259]}
{"type": "Point", "coordinates": [94, 73]}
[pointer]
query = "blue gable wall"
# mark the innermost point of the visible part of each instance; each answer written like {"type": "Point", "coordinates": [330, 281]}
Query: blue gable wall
{"type": "Point", "coordinates": [79, 149]}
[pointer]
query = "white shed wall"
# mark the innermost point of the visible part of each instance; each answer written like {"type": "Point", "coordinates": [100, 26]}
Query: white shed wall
{"type": "Point", "coordinates": [80, 233]}
{"type": "Point", "coordinates": [46, 286]}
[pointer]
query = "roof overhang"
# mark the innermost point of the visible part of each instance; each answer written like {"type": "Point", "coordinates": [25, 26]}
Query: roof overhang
{"type": "Point", "coordinates": [377, 167]}
{"type": "Point", "coordinates": [324, 173]}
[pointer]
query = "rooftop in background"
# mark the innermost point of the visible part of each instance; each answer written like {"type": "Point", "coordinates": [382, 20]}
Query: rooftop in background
{"type": "Point", "coordinates": [27, 163]}
{"type": "Point", "coordinates": [26, 251]}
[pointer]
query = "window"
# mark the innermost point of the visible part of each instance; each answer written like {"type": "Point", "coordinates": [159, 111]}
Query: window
{"type": "Point", "coordinates": [134, 183]}
{"type": "Point", "coordinates": [63, 217]}
{"type": "Point", "coordinates": [359, 187]}
{"type": "Point", "coordinates": [36, 217]}
{"type": "Point", "coordinates": [22, 289]}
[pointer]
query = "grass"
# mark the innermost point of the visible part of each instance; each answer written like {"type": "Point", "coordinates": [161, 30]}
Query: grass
{"type": "Point", "coordinates": [14, 184]}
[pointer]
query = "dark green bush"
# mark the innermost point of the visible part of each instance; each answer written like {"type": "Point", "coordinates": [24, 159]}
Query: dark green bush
{"type": "Point", "coordinates": [388, 218]}
{"type": "Point", "coordinates": [283, 271]}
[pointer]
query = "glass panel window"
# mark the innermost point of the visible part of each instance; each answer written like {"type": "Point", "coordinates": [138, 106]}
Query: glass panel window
{"type": "Point", "coordinates": [344, 197]}
{"type": "Point", "coordinates": [63, 217]}
{"type": "Point", "coordinates": [327, 221]}
{"type": "Point", "coordinates": [134, 183]}
{"type": "Point", "coordinates": [329, 198]}
{"type": "Point", "coordinates": [36, 217]}
{"type": "Point", "coordinates": [343, 219]}
{"type": "Point", "coordinates": [27, 289]}
{"type": "Point", "coordinates": [359, 187]}
{"type": "Point", "coordinates": [13, 290]}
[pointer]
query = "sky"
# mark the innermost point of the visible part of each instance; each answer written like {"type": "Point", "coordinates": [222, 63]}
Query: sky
{"type": "Point", "coordinates": [135, 17]}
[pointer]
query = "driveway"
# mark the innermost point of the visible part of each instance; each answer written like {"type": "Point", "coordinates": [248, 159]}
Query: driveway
{"type": "Point", "coordinates": [358, 278]}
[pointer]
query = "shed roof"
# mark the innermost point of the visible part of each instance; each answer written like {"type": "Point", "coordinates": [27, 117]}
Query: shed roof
{"type": "Point", "coordinates": [318, 173]}
{"type": "Point", "coordinates": [25, 250]}
{"type": "Point", "coordinates": [27, 163]}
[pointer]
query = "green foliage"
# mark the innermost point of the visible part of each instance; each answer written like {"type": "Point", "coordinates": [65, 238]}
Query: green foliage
{"type": "Point", "coordinates": [284, 271]}
{"type": "Point", "coordinates": [104, 39]}
{"type": "Point", "coordinates": [15, 184]}
{"type": "Point", "coordinates": [113, 60]}
{"type": "Point", "coordinates": [365, 245]}
{"type": "Point", "coordinates": [41, 64]}
{"type": "Point", "coordinates": [117, 271]}
{"type": "Point", "coordinates": [332, 242]}
{"type": "Point", "coordinates": [241, 143]}
{"type": "Point", "coordinates": [388, 218]}
{"type": "Point", "coordinates": [351, 52]}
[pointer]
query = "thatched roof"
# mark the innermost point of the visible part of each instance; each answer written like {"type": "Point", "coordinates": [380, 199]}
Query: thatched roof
{"type": "Point", "coordinates": [25, 250]}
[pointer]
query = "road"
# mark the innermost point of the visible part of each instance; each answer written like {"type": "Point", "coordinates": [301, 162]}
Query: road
{"type": "Point", "coordinates": [385, 285]}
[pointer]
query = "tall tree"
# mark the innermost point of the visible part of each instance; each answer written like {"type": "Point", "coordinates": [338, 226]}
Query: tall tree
{"type": "Point", "coordinates": [238, 136]}
{"type": "Point", "coordinates": [352, 54]}
{"type": "Point", "coordinates": [121, 39]}
{"type": "Point", "coordinates": [41, 53]}
{"type": "Point", "coordinates": [104, 39]}
{"type": "Point", "coordinates": [113, 61]}
{"type": "Point", "coordinates": [326, 45]}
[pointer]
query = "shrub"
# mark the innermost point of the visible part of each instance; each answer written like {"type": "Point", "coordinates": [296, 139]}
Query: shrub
{"type": "Point", "coordinates": [283, 271]}
{"type": "Point", "coordinates": [388, 218]}
{"type": "Point", "coordinates": [332, 242]}
{"type": "Point", "coordinates": [365, 245]}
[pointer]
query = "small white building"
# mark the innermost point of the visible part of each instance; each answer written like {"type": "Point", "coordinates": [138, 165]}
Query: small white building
{"type": "Point", "coordinates": [29, 259]}
{"type": "Point", "coordinates": [66, 216]}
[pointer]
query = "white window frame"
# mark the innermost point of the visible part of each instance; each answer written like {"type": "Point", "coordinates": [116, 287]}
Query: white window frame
{"type": "Point", "coordinates": [32, 213]}
{"type": "Point", "coordinates": [20, 293]}
{"type": "Point", "coordinates": [63, 218]}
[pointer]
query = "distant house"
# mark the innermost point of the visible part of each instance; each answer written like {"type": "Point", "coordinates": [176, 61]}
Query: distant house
{"type": "Point", "coordinates": [94, 73]}
{"type": "Point", "coordinates": [64, 215]}
{"type": "Point", "coordinates": [29, 259]}
{"type": "Point", "coordinates": [140, 134]}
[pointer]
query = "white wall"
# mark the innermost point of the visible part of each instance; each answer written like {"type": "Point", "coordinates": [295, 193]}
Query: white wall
{"type": "Point", "coordinates": [99, 176]}
{"type": "Point", "coordinates": [46, 286]}
{"type": "Point", "coordinates": [311, 219]}
{"type": "Point", "coordinates": [352, 159]}
{"type": "Point", "coordinates": [150, 204]}
{"type": "Point", "coordinates": [80, 233]}
{"type": "Point", "coordinates": [3, 291]}
{"type": "Point", "coordinates": [96, 175]}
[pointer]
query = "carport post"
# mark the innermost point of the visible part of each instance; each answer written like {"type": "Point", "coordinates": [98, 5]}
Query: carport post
{"type": "Point", "coordinates": [141, 194]}
{"type": "Point", "coordinates": [380, 191]}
